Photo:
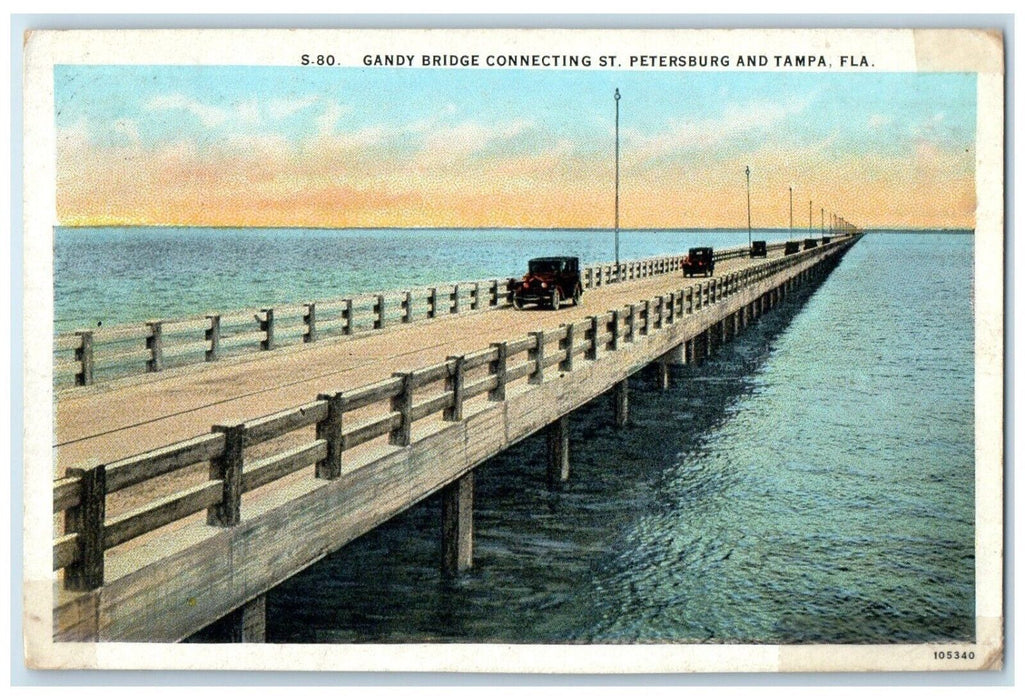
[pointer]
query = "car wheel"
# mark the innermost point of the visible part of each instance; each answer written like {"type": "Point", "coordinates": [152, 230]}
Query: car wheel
{"type": "Point", "coordinates": [517, 302]}
{"type": "Point", "coordinates": [577, 294]}
{"type": "Point", "coordinates": [556, 298]}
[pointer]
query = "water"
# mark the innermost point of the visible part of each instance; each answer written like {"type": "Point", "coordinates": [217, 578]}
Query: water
{"type": "Point", "coordinates": [111, 276]}
{"type": "Point", "coordinates": [814, 482]}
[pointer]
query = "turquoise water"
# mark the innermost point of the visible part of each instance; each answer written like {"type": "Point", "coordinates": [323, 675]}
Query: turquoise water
{"type": "Point", "coordinates": [813, 482]}
{"type": "Point", "coordinates": [110, 276]}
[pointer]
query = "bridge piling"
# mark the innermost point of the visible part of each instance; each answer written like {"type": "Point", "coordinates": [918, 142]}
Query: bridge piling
{"type": "Point", "coordinates": [558, 451]}
{"type": "Point", "coordinates": [457, 525]}
{"type": "Point", "coordinates": [621, 402]}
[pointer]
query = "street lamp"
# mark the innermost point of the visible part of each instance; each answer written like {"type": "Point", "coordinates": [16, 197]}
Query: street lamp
{"type": "Point", "coordinates": [617, 183]}
{"type": "Point", "coordinates": [747, 172]}
{"type": "Point", "coordinates": [791, 207]}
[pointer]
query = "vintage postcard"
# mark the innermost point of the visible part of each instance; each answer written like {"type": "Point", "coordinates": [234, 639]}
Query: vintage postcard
{"type": "Point", "coordinates": [546, 351]}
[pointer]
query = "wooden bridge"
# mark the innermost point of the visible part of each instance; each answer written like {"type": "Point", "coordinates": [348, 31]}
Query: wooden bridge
{"type": "Point", "coordinates": [165, 525]}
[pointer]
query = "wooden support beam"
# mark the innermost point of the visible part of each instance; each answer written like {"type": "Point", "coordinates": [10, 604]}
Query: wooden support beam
{"type": "Point", "coordinates": [558, 451]}
{"type": "Point", "coordinates": [310, 319]}
{"type": "Point", "coordinates": [155, 345]}
{"type": "Point", "coordinates": [228, 469]}
{"type": "Point", "coordinates": [213, 334]}
{"type": "Point", "coordinates": [84, 356]}
{"type": "Point", "coordinates": [244, 625]}
{"type": "Point", "coordinates": [457, 525]}
{"type": "Point", "coordinates": [621, 402]}
{"type": "Point", "coordinates": [86, 519]}
{"type": "Point", "coordinates": [662, 373]}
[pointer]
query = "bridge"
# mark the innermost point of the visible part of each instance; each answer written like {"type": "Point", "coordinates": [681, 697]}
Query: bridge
{"type": "Point", "coordinates": [183, 495]}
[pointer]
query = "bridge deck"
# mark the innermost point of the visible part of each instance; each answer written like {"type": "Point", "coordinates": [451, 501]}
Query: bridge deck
{"type": "Point", "coordinates": [110, 421]}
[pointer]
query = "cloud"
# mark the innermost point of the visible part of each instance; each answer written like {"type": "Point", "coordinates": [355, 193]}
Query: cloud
{"type": "Point", "coordinates": [735, 122]}
{"type": "Point", "coordinates": [207, 114]}
{"type": "Point", "coordinates": [877, 121]}
{"type": "Point", "coordinates": [282, 108]}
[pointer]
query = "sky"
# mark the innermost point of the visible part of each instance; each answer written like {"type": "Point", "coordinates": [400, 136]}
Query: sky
{"type": "Point", "coordinates": [402, 147]}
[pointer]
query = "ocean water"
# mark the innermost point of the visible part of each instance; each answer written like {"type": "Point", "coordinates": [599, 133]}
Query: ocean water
{"type": "Point", "coordinates": [812, 482]}
{"type": "Point", "coordinates": [115, 275]}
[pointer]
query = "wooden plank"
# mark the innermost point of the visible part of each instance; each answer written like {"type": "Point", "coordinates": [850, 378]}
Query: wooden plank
{"type": "Point", "coordinates": [480, 386]}
{"type": "Point", "coordinates": [117, 334]}
{"type": "Point", "coordinates": [135, 470]}
{"type": "Point", "coordinates": [65, 551]}
{"type": "Point", "coordinates": [368, 430]}
{"type": "Point", "coordinates": [432, 373]}
{"type": "Point", "coordinates": [431, 405]}
{"type": "Point", "coordinates": [264, 471]}
{"type": "Point", "coordinates": [196, 347]}
{"type": "Point", "coordinates": [67, 492]}
{"type": "Point", "coordinates": [514, 372]}
{"type": "Point", "coordinates": [479, 358]}
{"type": "Point", "coordinates": [110, 358]}
{"type": "Point", "coordinates": [283, 422]}
{"type": "Point", "coordinates": [372, 393]}
{"type": "Point", "coordinates": [161, 512]}
{"type": "Point", "coordinates": [66, 341]}
{"type": "Point", "coordinates": [515, 347]}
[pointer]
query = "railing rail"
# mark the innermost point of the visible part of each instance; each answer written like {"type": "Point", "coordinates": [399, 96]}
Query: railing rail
{"type": "Point", "coordinates": [389, 407]}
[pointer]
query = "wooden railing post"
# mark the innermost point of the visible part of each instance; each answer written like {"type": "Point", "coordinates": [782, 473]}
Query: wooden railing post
{"type": "Point", "coordinates": [456, 384]}
{"type": "Point", "coordinates": [647, 316]}
{"type": "Point", "coordinates": [454, 298]}
{"type": "Point", "coordinates": [432, 302]}
{"type": "Point", "coordinates": [407, 307]}
{"type": "Point", "coordinates": [671, 315]}
{"type": "Point", "coordinates": [228, 469]}
{"type": "Point", "coordinates": [267, 325]}
{"type": "Point", "coordinates": [592, 348]}
{"type": "Point", "coordinates": [613, 327]}
{"type": "Point", "coordinates": [403, 405]}
{"type": "Point", "coordinates": [347, 315]}
{"type": "Point", "coordinates": [475, 296]}
{"type": "Point", "coordinates": [213, 334]}
{"type": "Point", "coordinates": [86, 520]}
{"type": "Point", "coordinates": [310, 319]}
{"type": "Point", "coordinates": [537, 355]}
{"type": "Point", "coordinates": [566, 345]}
{"type": "Point", "coordinates": [690, 299]}
{"type": "Point", "coordinates": [499, 368]}
{"type": "Point", "coordinates": [84, 356]}
{"type": "Point", "coordinates": [493, 293]}
{"type": "Point", "coordinates": [659, 306]}
{"type": "Point", "coordinates": [330, 430]}
{"type": "Point", "coordinates": [155, 345]}
{"type": "Point", "coordinates": [632, 320]}
{"type": "Point", "coordinates": [379, 311]}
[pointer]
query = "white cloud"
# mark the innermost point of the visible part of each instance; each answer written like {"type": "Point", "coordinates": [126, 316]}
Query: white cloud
{"type": "Point", "coordinates": [286, 107]}
{"type": "Point", "coordinates": [209, 115]}
{"type": "Point", "coordinates": [877, 121]}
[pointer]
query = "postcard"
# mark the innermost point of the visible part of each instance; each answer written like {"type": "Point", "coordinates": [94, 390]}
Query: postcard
{"type": "Point", "coordinates": [494, 350]}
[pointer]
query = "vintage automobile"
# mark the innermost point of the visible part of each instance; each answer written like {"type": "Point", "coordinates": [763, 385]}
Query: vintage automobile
{"type": "Point", "coordinates": [758, 249]}
{"type": "Point", "coordinates": [548, 281]}
{"type": "Point", "coordinates": [791, 248]}
{"type": "Point", "coordinates": [810, 243]}
{"type": "Point", "coordinates": [825, 240]}
{"type": "Point", "coordinates": [698, 260]}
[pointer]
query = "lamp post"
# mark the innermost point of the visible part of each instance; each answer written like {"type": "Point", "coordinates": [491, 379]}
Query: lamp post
{"type": "Point", "coordinates": [617, 183]}
{"type": "Point", "coordinates": [747, 172]}
{"type": "Point", "coordinates": [791, 207]}
{"type": "Point", "coordinates": [809, 217]}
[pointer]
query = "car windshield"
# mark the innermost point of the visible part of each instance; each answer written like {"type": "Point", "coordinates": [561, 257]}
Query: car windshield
{"type": "Point", "coordinates": [545, 266]}
{"type": "Point", "coordinates": [699, 253]}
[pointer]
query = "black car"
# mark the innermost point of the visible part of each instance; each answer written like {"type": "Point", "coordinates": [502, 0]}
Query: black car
{"type": "Point", "coordinates": [791, 247]}
{"type": "Point", "coordinates": [698, 260]}
{"type": "Point", "coordinates": [549, 281]}
{"type": "Point", "coordinates": [810, 243]}
{"type": "Point", "coordinates": [758, 249]}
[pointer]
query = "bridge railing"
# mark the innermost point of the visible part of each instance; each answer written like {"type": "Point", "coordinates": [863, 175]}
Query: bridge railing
{"type": "Point", "coordinates": [242, 457]}
{"type": "Point", "coordinates": [84, 357]}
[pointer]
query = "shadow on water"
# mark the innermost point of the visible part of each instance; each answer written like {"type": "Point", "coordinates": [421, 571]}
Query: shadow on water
{"type": "Point", "coordinates": [542, 556]}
